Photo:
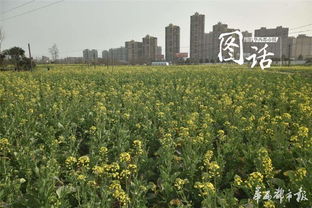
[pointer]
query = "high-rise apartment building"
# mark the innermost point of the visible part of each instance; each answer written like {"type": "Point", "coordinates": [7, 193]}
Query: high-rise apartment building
{"type": "Point", "coordinates": [118, 54]}
{"type": "Point", "coordinates": [217, 30]}
{"type": "Point", "coordinates": [90, 55]}
{"type": "Point", "coordinates": [159, 55]}
{"type": "Point", "coordinates": [212, 41]}
{"type": "Point", "coordinates": [105, 54]}
{"type": "Point", "coordinates": [149, 48]}
{"type": "Point", "coordinates": [197, 37]}
{"type": "Point", "coordinates": [208, 46]}
{"type": "Point", "coordinates": [134, 52]}
{"type": "Point", "coordinates": [301, 47]}
{"type": "Point", "coordinates": [172, 42]}
{"type": "Point", "coordinates": [85, 54]}
{"type": "Point", "coordinates": [280, 48]}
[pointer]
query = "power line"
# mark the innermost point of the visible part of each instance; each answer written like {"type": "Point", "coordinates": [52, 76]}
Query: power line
{"type": "Point", "coordinates": [33, 10]}
{"type": "Point", "coordinates": [300, 27]}
{"type": "Point", "coordinates": [71, 51]}
{"type": "Point", "coordinates": [300, 32]}
{"type": "Point", "coordinates": [29, 2]}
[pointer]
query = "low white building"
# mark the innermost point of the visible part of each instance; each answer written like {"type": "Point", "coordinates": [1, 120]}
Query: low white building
{"type": "Point", "coordinates": [160, 63]}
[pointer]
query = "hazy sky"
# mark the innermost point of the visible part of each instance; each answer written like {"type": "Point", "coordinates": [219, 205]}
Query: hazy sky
{"type": "Point", "coordinates": [78, 24]}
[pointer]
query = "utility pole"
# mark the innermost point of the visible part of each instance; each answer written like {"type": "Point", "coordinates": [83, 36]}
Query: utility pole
{"type": "Point", "coordinates": [113, 62]}
{"type": "Point", "coordinates": [30, 57]}
{"type": "Point", "coordinates": [281, 51]}
{"type": "Point", "coordinates": [94, 63]}
{"type": "Point", "coordinates": [107, 60]}
{"type": "Point", "coordinates": [289, 48]}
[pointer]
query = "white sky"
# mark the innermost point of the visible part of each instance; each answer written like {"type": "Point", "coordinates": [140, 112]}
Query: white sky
{"type": "Point", "coordinates": [78, 24]}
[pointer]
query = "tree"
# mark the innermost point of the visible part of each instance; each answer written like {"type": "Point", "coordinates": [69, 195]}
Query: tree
{"type": "Point", "coordinates": [16, 54]}
{"type": "Point", "coordinates": [2, 57]}
{"type": "Point", "coordinates": [2, 36]}
{"type": "Point", "coordinates": [54, 51]}
{"type": "Point", "coordinates": [18, 58]}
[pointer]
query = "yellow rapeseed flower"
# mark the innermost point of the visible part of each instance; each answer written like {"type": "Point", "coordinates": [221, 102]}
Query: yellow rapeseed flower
{"type": "Point", "coordinates": [205, 188]}
{"type": "Point", "coordinates": [132, 167]}
{"type": "Point", "coordinates": [81, 177]}
{"type": "Point", "coordinates": [118, 193]}
{"type": "Point", "coordinates": [138, 147]}
{"type": "Point", "coordinates": [303, 131]}
{"type": "Point", "coordinates": [269, 204]}
{"type": "Point", "coordinates": [98, 170]}
{"type": "Point", "coordinates": [92, 129]}
{"type": "Point", "coordinates": [125, 174]}
{"type": "Point", "coordinates": [207, 157]}
{"type": "Point", "coordinates": [238, 180]}
{"type": "Point", "coordinates": [70, 161]}
{"type": "Point", "coordinates": [125, 157]}
{"type": "Point", "coordinates": [179, 183]}
{"type": "Point", "coordinates": [84, 161]}
{"type": "Point", "coordinates": [254, 179]}
{"type": "Point", "coordinates": [300, 174]}
{"type": "Point", "coordinates": [184, 132]}
{"type": "Point", "coordinates": [137, 143]}
{"type": "Point", "coordinates": [4, 145]}
{"type": "Point", "coordinates": [103, 150]}
{"type": "Point", "coordinates": [266, 163]}
{"type": "Point", "coordinates": [92, 183]}
{"type": "Point", "coordinates": [175, 202]}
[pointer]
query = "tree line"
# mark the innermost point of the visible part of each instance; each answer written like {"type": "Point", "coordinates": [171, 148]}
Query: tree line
{"type": "Point", "coordinates": [14, 56]}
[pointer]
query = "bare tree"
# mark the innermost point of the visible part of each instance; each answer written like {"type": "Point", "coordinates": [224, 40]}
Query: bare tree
{"type": "Point", "coordinates": [2, 36]}
{"type": "Point", "coordinates": [54, 51]}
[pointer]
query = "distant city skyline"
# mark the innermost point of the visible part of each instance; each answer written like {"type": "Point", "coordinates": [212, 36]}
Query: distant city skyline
{"type": "Point", "coordinates": [78, 25]}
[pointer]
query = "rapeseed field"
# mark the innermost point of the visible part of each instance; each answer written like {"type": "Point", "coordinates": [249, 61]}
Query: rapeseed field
{"type": "Point", "coordinates": [142, 136]}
